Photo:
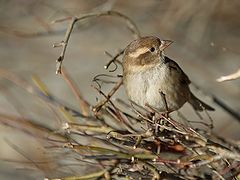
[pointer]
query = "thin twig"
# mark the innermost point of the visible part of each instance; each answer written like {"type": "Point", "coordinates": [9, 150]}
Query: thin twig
{"type": "Point", "coordinates": [130, 24]}
{"type": "Point", "coordinates": [164, 100]}
{"type": "Point", "coordinates": [114, 58]}
{"type": "Point", "coordinates": [83, 104]}
{"type": "Point", "coordinates": [20, 151]}
{"type": "Point", "coordinates": [115, 110]}
{"type": "Point", "coordinates": [64, 44]}
{"type": "Point", "coordinates": [227, 108]}
{"type": "Point", "coordinates": [220, 103]}
{"type": "Point", "coordinates": [110, 94]}
{"type": "Point", "coordinates": [230, 77]}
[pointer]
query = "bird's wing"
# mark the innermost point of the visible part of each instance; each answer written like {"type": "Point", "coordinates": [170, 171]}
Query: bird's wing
{"type": "Point", "coordinates": [172, 64]}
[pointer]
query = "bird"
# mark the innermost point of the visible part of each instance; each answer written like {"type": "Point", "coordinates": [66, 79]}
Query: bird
{"type": "Point", "coordinates": [148, 72]}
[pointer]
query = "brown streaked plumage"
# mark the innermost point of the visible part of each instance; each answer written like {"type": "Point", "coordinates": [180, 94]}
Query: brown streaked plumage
{"type": "Point", "coordinates": [147, 72]}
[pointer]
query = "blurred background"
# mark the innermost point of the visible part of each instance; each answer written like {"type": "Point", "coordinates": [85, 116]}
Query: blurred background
{"type": "Point", "coordinates": [206, 37]}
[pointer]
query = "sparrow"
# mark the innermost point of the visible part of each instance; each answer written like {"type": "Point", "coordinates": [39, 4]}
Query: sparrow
{"type": "Point", "coordinates": [147, 72]}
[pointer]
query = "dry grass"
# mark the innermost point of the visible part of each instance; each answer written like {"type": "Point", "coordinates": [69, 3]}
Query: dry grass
{"type": "Point", "coordinates": [117, 139]}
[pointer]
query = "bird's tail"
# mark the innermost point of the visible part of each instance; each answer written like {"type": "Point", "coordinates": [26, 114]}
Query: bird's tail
{"type": "Point", "coordinates": [198, 104]}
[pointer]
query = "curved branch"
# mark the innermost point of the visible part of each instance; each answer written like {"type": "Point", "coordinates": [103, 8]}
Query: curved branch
{"type": "Point", "coordinates": [130, 24]}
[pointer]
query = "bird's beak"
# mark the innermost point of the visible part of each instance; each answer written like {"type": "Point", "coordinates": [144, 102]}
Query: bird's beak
{"type": "Point", "coordinates": [165, 44]}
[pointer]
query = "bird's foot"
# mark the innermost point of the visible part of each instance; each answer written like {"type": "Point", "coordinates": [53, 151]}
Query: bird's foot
{"type": "Point", "coordinates": [150, 115]}
{"type": "Point", "coordinates": [165, 114]}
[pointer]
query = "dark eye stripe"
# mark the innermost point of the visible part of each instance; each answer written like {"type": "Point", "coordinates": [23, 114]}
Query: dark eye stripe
{"type": "Point", "coordinates": [144, 55]}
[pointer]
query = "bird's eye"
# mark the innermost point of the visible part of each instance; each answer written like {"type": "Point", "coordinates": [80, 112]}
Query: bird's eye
{"type": "Point", "coordinates": [152, 49]}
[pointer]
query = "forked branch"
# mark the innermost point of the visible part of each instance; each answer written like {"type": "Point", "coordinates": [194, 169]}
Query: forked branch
{"type": "Point", "coordinates": [130, 24]}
